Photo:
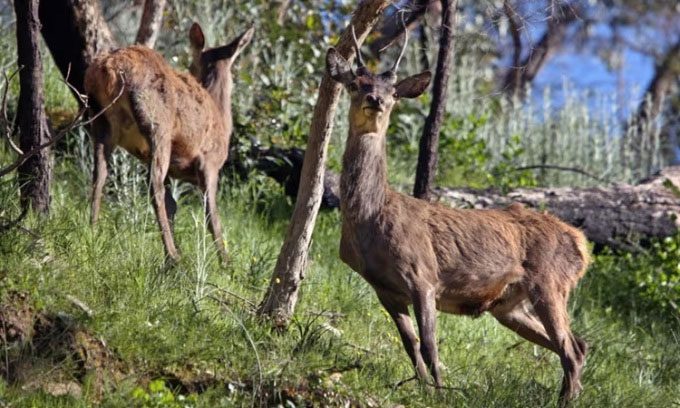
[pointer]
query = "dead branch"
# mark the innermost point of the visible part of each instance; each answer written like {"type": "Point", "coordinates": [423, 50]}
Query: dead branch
{"type": "Point", "coordinates": [9, 125]}
{"type": "Point", "coordinates": [75, 123]}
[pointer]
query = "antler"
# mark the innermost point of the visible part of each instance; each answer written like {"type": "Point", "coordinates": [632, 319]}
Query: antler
{"type": "Point", "coordinates": [360, 60]}
{"type": "Point", "coordinates": [403, 47]}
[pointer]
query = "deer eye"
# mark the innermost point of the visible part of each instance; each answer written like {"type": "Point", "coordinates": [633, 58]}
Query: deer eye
{"type": "Point", "coordinates": [352, 87]}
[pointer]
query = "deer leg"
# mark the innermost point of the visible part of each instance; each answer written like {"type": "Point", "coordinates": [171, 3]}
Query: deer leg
{"type": "Point", "coordinates": [212, 213]}
{"type": "Point", "coordinates": [551, 309]}
{"type": "Point", "coordinates": [399, 313]}
{"type": "Point", "coordinates": [426, 314]}
{"type": "Point", "coordinates": [170, 204]}
{"type": "Point", "coordinates": [102, 147]}
{"type": "Point", "coordinates": [158, 169]}
{"type": "Point", "coordinates": [524, 323]}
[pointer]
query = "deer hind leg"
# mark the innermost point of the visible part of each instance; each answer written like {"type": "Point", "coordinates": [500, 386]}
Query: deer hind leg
{"type": "Point", "coordinates": [525, 323]}
{"type": "Point", "coordinates": [399, 313]}
{"type": "Point", "coordinates": [212, 214]}
{"type": "Point", "coordinates": [102, 147]}
{"type": "Point", "coordinates": [158, 170]}
{"type": "Point", "coordinates": [424, 305]}
{"type": "Point", "coordinates": [170, 205]}
{"type": "Point", "coordinates": [551, 309]}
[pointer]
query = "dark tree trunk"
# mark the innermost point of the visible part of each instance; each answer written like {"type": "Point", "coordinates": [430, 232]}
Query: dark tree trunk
{"type": "Point", "coordinates": [75, 32]}
{"type": "Point", "coordinates": [429, 142]}
{"type": "Point", "coordinates": [282, 294]}
{"type": "Point", "coordinates": [35, 173]}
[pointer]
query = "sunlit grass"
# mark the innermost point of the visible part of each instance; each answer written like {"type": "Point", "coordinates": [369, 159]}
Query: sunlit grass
{"type": "Point", "coordinates": [202, 314]}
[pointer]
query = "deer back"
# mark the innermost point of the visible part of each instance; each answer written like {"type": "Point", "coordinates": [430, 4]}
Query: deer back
{"type": "Point", "coordinates": [172, 102]}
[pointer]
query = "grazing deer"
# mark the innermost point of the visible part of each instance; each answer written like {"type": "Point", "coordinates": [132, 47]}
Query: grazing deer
{"type": "Point", "coordinates": [178, 124]}
{"type": "Point", "coordinates": [518, 264]}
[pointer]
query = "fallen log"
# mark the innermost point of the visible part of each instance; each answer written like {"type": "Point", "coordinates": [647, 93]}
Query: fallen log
{"type": "Point", "coordinates": [619, 216]}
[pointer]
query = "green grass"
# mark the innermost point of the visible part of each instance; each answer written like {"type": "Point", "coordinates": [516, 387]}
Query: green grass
{"type": "Point", "coordinates": [201, 314]}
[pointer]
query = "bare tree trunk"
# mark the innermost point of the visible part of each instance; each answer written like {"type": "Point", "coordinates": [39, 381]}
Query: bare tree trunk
{"type": "Point", "coordinates": [617, 216]}
{"type": "Point", "coordinates": [521, 74]}
{"type": "Point", "coordinates": [35, 173]}
{"type": "Point", "coordinates": [150, 24]}
{"type": "Point", "coordinates": [75, 32]}
{"type": "Point", "coordinates": [429, 141]}
{"type": "Point", "coordinates": [281, 297]}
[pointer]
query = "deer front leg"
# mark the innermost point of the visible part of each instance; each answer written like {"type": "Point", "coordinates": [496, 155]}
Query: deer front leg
{"type": "Point", "coordinates": [160, 161]}
{"type": "Point", "coordinates": [102, 148]}
{"type": "Point", "coordinates": [399, 313]}
{"type": "Point", "coordinates": [424, 305]}
{"type": "Point", "coordinates": [212, 213]}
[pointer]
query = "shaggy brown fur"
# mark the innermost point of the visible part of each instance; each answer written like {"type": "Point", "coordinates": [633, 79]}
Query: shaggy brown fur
{"type": "Point", "coordinates": [168, 120]}
{"type": "Point", "coordinates": [518, 264]}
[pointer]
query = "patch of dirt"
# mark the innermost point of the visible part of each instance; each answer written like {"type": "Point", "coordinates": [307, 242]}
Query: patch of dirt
{"type": "Point", "coordinates": [53, 352]}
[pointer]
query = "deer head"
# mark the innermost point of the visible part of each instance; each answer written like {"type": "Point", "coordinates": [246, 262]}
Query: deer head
{"type": "Point", "coordinates": [212, 66]}
{"type": "Point", "coordinates": [372, 96]}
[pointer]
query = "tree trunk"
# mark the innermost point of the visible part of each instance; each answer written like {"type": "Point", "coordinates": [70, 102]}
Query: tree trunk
{"type": "Point", "coordinates": [75, 32]}
{"type": "Point", "coordinates": [281, 297]}
{"type": "Point", "coordinates": [35, 173]}
{"type": "Point", "coordinates": [150, 23]}
{"type": "Point", "coordinates": [429, 141]}
{"type": "Point", "coordinates": [617, 216]}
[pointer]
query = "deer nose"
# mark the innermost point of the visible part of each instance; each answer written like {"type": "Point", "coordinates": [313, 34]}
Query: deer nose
{"type": "Point", "coordinates": [374, 100]}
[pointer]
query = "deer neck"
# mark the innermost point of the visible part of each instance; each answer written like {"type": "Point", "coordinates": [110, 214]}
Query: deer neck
{"type": "Point", "coordinates": [219, 87]}
{"type": "Point", "coordinates": [363, 182]}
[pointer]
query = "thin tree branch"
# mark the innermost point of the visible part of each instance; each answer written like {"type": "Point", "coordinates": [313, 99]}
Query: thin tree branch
{"type": "Point", "coordinates": [75, 123]}
{"type": "Point", "coordinates": [9, 126]}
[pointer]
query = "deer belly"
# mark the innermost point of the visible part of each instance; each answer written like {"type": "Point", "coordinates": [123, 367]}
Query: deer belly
{"type": "Point", "coordinates": [136, 144]}
{"type": "Point", "coordinates": [126, 134]}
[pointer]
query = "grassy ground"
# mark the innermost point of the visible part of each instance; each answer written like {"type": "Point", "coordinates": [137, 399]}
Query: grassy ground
{"type": "Point", "coordinates": [341, 346]}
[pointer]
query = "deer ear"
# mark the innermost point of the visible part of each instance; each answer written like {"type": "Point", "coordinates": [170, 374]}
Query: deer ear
{"type": "Point", "coordinates": [413, 86]}
{"type": "Point", "coordinates": [196, 37]}
{"type": "Point", "coordinates": [338, 68]}
{"type": "Point", "coordinates": [240, 42]}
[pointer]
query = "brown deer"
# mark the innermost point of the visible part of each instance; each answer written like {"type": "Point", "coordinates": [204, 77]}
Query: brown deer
{"type": "Point", "coordinates": [518, 264]}
{"type": "Point", "coordinates": [178, 124]}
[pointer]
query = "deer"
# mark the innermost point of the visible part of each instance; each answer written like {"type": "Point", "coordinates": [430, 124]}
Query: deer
{"type": "Point", "coordinates": [515, 263]}
{"type": "Point", "coordinates": [178, 124]}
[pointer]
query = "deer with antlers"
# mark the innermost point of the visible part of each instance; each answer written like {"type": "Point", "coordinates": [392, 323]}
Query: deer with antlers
{"type": "Point", "coordinates": [178, 124]}
{"type": "Point", "coordinates": [517, 264]}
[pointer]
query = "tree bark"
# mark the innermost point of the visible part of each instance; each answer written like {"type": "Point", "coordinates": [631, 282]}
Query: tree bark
{"type": "Point", "coordinates": [75, 32]}
{"type": "Point", "coordinates": [429, 141]}
{"type": "Point", "coordinates": [281, 297]}
{"type": "Point", "coordinates": [150, 23]}
{"type": "Point", "coordinates": [617, 216]}
{"type": "Point", "coordinates": [35, 173]}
